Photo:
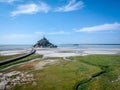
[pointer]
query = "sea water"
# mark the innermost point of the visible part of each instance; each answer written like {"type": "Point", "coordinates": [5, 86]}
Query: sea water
{"type": "Point", "coordinates": [91, 45]}
{"type": "Point", "coordinates": [14, 47]}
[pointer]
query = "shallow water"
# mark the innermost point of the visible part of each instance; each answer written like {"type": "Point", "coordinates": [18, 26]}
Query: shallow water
{"type": "Point", "coordinates": [13, 47]}
{"type": "Point", "coordinates": [91, 45]}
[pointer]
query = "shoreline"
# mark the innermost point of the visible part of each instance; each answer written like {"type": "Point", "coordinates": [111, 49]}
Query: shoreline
{"type": "Point", "coordinates": [15, 51]}
{"type": "Point", "coordinates": [64, 51]}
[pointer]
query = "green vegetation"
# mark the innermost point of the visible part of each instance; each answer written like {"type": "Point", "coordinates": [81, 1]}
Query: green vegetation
{"type": "Point", "coordinates": [65, 51]}
{"type": "Point", "coordinates": [93, 72]}
{"type": "Point", "coordinates": [110, 80]}
{"type": "Point", "coordinates": [8, 57]}
{"type": "Point", "coordinates": [63, 75]}
{"type": "Point", "coordinates": [34, 56]}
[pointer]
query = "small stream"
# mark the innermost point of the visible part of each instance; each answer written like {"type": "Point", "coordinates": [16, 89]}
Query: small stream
{"type": "Point", "coordinates": [105, 69]}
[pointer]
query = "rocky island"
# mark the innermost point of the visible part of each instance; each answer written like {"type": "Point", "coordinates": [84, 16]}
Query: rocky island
{"type": "Point", "coordinates": [44, 43]}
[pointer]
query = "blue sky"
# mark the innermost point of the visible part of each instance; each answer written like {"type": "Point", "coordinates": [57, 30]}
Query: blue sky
{"type": "Point", "coordinates": [61, 21]}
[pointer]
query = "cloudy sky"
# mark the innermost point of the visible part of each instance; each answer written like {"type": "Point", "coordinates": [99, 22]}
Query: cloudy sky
{"type": "Point", "coordinates": [61, 21]}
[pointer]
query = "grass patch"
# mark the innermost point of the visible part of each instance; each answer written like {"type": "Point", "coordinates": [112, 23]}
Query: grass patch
{"type": "Point", "coordinates": [66, 74]}
{"type": "Point", "coordinates": [107, 81]}
{"type": "Point", "coordinates": [65, 51]}
{"type": "Point", "coordinates": [61, 76]}
{"type": "Point", "coordinates": [9, 56]}
{"type": "Point", "coordinates": [34, 56]}
{"type": "Point", "coordinates": [53, 58]}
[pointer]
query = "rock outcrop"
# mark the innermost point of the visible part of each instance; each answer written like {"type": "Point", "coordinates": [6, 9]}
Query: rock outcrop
{"type": "Point", "coordinates": [44, 43]}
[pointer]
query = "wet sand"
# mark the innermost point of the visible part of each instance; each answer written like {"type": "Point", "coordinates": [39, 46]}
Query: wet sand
{"type": "Point", "coordinates": [68, 51]}
{"type": "Point", "coordinates": [65, 51]}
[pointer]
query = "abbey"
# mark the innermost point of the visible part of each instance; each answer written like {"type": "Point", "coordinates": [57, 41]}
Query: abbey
{"type": "Point", "coordinates": [44, 43]}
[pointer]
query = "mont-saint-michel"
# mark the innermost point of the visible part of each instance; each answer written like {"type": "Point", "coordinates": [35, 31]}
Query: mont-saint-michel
{"type": "Point", "coordinates": [44, 43]}
{"type": "Point", "coordinates": [60, 45]}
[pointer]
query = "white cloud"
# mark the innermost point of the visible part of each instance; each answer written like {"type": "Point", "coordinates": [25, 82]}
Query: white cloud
{"type": "Point", "coordinates": [39, 33]}
{"type": "Point", "coordinates": [52, 33]}
{"type": "Point", "coordinates": [58, 32]}
{"type": "Point", "coordinates": [31, 9]}
{"type": "Point", "coordinates": [26, 38]}
{"type": "Point", "coordinates": [104, 27]}
{"type": "Point", "coordinates": [8, 1]}
{"type": "Point", "coordinates": [71, 6]}
{"type": "Point", "coordinates": [16, 36]}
